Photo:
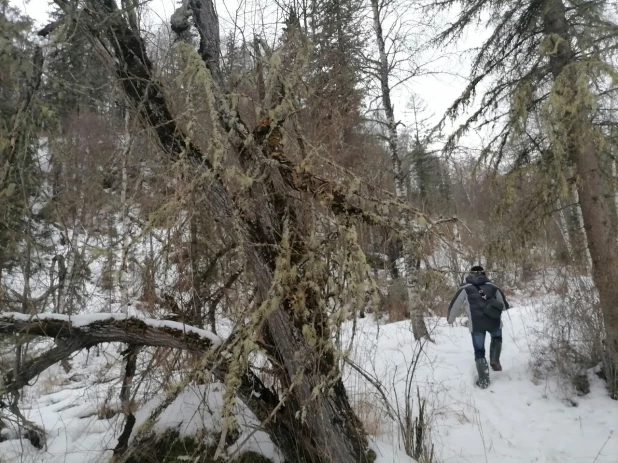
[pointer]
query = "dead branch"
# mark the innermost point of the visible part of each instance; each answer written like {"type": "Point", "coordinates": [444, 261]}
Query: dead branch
{"type": "Point", "coordinates": [74, 338]}
{"type": "Point", "coordinates": [125, 399]}
{"type": "Point", "coordinates": [76, 335]}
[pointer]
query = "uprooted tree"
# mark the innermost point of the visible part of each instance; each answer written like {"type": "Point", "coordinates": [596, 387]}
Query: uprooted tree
{"type": "Point", "coordinates": [297, 229]}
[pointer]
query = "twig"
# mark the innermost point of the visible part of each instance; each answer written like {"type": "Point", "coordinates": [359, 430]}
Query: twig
{"type": "Point", "coordinates": [606, 441]}
{"type": "Point", "coordinates": [375, 383]}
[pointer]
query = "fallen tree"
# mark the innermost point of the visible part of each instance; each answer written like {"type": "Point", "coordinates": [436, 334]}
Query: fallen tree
{"type": "Point", "coordinates": [73, 334]}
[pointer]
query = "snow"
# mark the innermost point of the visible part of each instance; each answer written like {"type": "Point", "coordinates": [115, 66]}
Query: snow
{"type": "Point", "coordinates": [514, 420]}
{"type": "Point", "coordinates": [198, 409]}
{"type": "Point", "coordinates": [517, 419]}
{"type": "Point", "coordinates": [388, 454]}
{"type": "Point", "coordinates": [83, 320]}
{"type": "Point", "coordinates": [67, 411]}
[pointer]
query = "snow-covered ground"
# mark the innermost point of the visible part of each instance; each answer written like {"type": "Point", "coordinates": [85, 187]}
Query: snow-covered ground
{"type": "Point", "coordinates": [517, 419]}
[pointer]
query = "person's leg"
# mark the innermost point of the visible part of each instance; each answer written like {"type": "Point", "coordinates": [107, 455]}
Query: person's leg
{"type": "Point", "coordinates": [478, 341]}
{"type": "Point", "coordinates": [495, 348]}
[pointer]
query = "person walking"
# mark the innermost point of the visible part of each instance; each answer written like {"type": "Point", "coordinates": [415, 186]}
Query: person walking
{"type": "Point", "coordinates": [484, 302]}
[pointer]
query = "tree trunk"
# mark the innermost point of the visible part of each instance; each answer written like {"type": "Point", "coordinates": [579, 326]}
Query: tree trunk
{"type": "Point", "coordinates": [401, 187]}
{"type": "Point", "coordinates": [563, 228]}
{"type": "Point", "coordinates": [600, 236]}
{"type": "Point", "coordinates": [122, 271]}
{"type": "Point", "coordinates": [455, 252]}
{"type": "Point", "coordinates": [578, 231]}
{"type": "Point", "coordinates": [109, 282]}
{"type": "Point", "coordinates": [125, 399]}
{"type": "Point", "coordinates": [614, 163]}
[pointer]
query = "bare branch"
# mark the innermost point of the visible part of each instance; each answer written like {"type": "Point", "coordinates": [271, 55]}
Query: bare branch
{"type": "Point", "coordinates": [76, 333]}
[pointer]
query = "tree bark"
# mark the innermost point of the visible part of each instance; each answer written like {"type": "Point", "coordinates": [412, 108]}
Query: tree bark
{"type": "Point", "coordinates": [74, 338]}
{"type": "Point", "coordinates": [600, 236]}
{"type": "Point", "coordinates": [125, 399]}
{"type": "Point", "coordinates": [578, 231]}
{"type": "Point", "coordinates": [123, 283]}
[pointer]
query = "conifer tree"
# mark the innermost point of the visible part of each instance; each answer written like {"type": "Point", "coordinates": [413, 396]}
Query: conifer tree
{"type": "Point", "coordinates": [336, 96]}
{"type": "Point", "coordinates": [20, 77]}
{"type": "Point", "coordinates": [549, 66]}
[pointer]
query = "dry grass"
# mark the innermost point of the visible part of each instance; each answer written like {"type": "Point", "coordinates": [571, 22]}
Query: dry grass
{"type": "Point", "coordinates": [50, 383]}
{"type": "Point", "coordinates": [570, 342]}
{"type": "Point", "coordinates": [370, 411]}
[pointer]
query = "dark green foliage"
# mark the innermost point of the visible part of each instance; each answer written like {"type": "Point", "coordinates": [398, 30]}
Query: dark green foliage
{"type": "Point", "coordinates": [336, 75]}
{"type": "Point", "coordinates": [170, 447]}
{"type": "Point", "coordinates": [338, 41]}
{"type": "Point", "coordinates": [252, 457]}
{"type": "Point", "coordinates": [19, 125]}
{"type": "Point", "coordinates": [432, 179]}
{"type": "Point", "coordinates": [14, 64]}
{"type": "Point", "coordinates": [76, 81]}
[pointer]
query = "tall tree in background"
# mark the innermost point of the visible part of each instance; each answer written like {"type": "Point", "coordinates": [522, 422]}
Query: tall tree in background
{"type": "Point", "coordinates": [76, 80]}
{"type": "Point", "coordinates": [336, 94]}
{"type": "Point", "coordinates": [549, 68]}
{"type": "Point", "coordinates": [428, 174]}
{"type": "Point", "coordinates": [21, 67]}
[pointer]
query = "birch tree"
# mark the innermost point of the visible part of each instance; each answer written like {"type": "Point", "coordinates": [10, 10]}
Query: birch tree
{"type": "Point", "coordinates": [382, 69]}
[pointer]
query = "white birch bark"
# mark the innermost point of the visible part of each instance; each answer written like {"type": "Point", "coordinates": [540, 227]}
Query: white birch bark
{"type": "Point", "coordinates": [124, 232]}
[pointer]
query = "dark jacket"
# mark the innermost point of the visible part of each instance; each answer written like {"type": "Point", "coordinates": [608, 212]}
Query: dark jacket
{"type": "Point", "coordinates": [468, 296]}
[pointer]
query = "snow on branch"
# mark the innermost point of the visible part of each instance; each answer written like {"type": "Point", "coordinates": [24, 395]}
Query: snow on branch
{"type": "Point", "coordinates": [62, 325]}
{"type": "Point", "coordinates": [74, 333]}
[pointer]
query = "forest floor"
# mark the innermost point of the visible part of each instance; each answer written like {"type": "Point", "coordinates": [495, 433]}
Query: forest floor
{"type": "Point", "coordinates": [524, 416]}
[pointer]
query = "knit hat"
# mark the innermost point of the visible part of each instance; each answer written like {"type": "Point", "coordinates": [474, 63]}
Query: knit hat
{"type": "Point", "coordinates": [477, 269]}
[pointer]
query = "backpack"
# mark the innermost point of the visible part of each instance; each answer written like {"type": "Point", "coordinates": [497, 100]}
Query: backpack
{"type": "Point", "coordinates": [493, 307]}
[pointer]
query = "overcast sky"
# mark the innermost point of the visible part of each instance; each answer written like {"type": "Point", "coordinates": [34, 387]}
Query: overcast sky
{"type": "Point", "coordinates": [438, 90]}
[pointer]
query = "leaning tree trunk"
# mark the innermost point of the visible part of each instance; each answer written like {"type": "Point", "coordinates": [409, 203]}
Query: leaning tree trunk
{"type": "Point", "coordinates": [401, 189]}
{"type": "Point", "coordinates": [311, 428]}
{"type": "Point", "coordinates": [584, 153]}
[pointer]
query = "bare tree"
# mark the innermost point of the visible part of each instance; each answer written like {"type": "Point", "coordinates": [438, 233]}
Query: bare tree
{"type": "Point", "coordinates": [383, 71]}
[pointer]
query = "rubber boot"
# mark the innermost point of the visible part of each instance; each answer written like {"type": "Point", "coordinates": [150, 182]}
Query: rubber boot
{"type": "Point", "coordinates": [483, 370]}
{"type": "Point", "coordinates": [494, 354]}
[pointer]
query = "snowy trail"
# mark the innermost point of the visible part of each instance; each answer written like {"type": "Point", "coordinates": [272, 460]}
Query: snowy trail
{"type": "Point", "coordinates": [514, 420]}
